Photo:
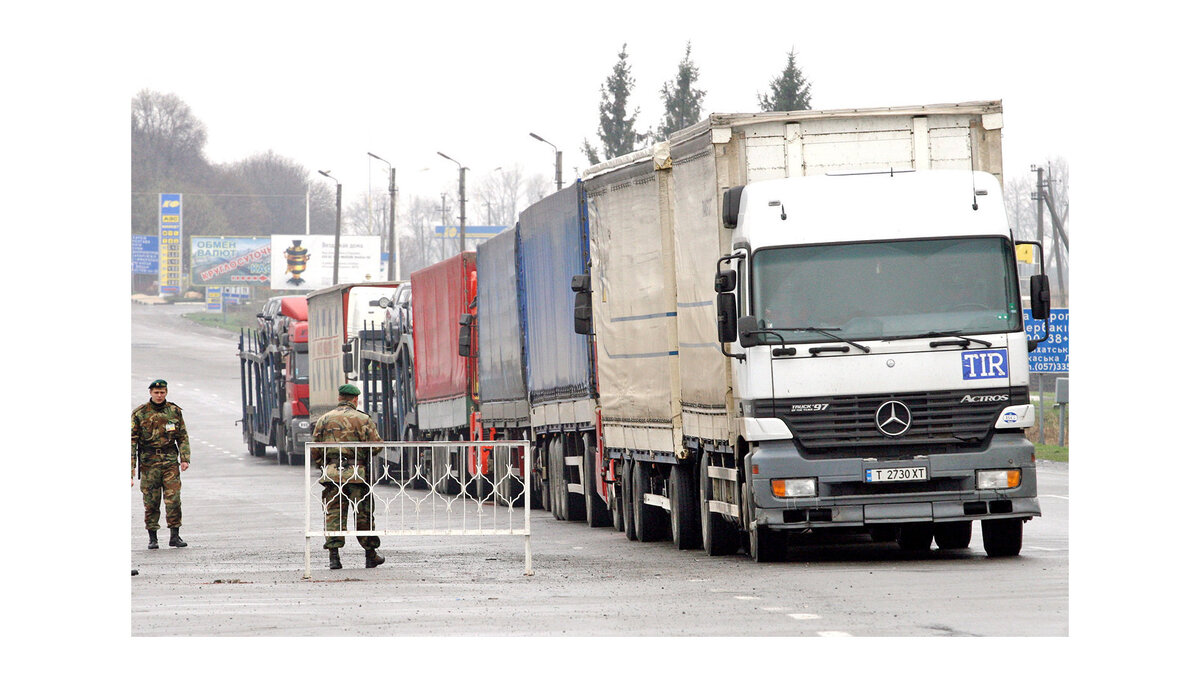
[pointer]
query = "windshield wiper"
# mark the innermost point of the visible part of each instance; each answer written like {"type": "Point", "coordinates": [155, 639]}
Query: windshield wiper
{"type": "Point", "coordinates": [827, 332]}
{"type": "Point", "coordinates": [962, 340]}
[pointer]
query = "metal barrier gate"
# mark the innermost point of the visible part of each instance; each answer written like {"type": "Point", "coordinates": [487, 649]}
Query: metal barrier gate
{"type": "Point", "coordinates": [435, 488]}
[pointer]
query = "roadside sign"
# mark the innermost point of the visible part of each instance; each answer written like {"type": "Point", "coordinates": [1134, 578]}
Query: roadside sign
{"type": "Point", "coordinates": [212, 298]}
{"type": "Point", "coordinates": [170, 241]}
{"type": "Point", "coordinates": [304, 262]}
{"type": "Point", "coordinates": [144, 257]}
{"type": "Point", "coordinates": [1053, 355]}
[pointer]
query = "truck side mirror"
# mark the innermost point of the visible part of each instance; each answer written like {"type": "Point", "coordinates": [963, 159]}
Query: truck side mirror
{"type": "Point", "coordinates": [464, 340]}
{"type": "Point", "coordinates": [583, 312]}
{"type": "Point", "coordinates": [731, 203]}
{"type": "Point", "coordinates": [1039, 296]}
{"type": "Point", "coordinates": [746, 328]}
{"type": "Point", "coordinates": [347, 358]}
{"type": "Point", "coordinates": [726, 281]}
{"type": "Point", "coordinates": [581, 283]}
{"type": "Point", "coordinates": [727, 324]}
{"type": "Point", "coordinates": [385, 303]}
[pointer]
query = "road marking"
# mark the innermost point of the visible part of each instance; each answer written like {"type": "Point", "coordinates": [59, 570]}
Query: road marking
{"type": "Point", "coordinates": [773, 609]}
{"type": "Point", "coordinates": [745, 597]}
{"type": "Point", "coordinates": [1039, 548]}
{"type": "Point", "coordinates": [805, 617]}
{"type": "Point", "coordinates": [1056, 497]}
{"type": "Point", "coordinates": [833, 633]}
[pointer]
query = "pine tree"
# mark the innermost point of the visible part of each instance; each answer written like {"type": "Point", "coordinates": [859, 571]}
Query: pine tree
{"type": "Point", "coordinates": [789, 91]}
{"type": "Point", "coordinates": [617, 133]}
{"type": "Point", "coordinates": [681, 100]}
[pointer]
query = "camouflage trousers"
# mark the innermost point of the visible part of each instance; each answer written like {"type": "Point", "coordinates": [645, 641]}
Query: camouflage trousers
{"type": "Point", "coordinates": [337, 500]}
{"type": "Point", "coordinates": [161, 484]}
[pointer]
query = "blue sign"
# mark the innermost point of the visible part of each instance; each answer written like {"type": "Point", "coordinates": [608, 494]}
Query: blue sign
{"type": "Point", "coordinates": [985, 364]}
{"type": "Point", "coordinates": [473, 231]}
{"type": "Point", "coordinates": [145, 254]}
{"type": "Point", "coordinates": [1054, 354]}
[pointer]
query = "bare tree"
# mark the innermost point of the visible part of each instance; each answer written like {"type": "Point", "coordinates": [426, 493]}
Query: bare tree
{"type": "Point", "coordinates": [1021, 201]}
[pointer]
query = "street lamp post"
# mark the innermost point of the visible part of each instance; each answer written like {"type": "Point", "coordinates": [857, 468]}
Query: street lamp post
{"type": "Point", "coordinates": [337, 233]}
{"type": "Point", "coordinates": [391, 246]}
{"type": "Point", "coordinates": [557, 160]}
{"type": "Point", "coordinates": [462, 203]}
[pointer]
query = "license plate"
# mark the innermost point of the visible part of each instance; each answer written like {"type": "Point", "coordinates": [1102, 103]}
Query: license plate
{"type": "Point", "coordinates": [897, 474]}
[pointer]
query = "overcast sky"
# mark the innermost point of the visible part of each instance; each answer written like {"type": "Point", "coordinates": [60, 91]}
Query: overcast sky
{"type": "Point", "coordinates": [324, 84]}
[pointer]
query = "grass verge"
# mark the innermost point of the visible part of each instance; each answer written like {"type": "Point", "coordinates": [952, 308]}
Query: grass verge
{"type": "Point", "coordinates": [1054, 453]}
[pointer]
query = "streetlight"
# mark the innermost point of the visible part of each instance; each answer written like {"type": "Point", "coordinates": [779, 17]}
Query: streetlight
{"type": "Point", "coordinates": [391, 247]}
{"type": "Point", "coordinates": [462, 203]}
{"type": "Point", "coordinates": [337, 233]}
{"type": "Point", "coordinates": [557, 160]}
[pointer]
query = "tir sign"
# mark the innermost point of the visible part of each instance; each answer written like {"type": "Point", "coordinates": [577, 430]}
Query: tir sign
{"type": "Point", "coordinates": [985, 364]}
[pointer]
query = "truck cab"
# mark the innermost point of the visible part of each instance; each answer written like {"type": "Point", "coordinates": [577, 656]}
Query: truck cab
{"type": "Point", "coordinates": [880, 369]}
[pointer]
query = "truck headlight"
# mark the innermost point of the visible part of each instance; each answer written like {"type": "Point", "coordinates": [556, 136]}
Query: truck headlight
{"type": "Point", "coordinates": [794, 487]}
{"type": "Point", "coordinates": [997, 480]}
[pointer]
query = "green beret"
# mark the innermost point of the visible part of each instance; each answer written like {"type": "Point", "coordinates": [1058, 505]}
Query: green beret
{"type": "Point", "coordinates": [158, 384]}
{"type": "Point", "coordinates": [348, 390]}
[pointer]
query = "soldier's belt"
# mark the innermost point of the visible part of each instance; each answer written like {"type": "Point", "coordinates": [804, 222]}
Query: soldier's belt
{"type": "Point", "coordinates": [165, 450]}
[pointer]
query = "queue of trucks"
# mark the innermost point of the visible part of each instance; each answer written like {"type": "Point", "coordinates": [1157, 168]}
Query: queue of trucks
{"type": "Point", "coordinates": [769, 324]}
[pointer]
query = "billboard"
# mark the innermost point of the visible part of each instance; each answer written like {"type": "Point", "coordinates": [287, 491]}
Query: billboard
{"type": "Point", "coordinates": [144, 258]}
{"type": "Point", "coordinates": [304, 262]}
{"type": "Point", "coordinates": [231, 261]}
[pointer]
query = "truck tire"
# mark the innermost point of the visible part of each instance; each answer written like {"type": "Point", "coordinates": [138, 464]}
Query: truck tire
{"type": "Point", "coordinates": [685, 507]}
{"type": "Point", "coordinates": [574, 507]}
{"type": "Point", "coordinates": [258, 449]}
{"type": "Point", "coordinates": [952, 536]}
{"type": "Point", "coordinates": [281, 446]}
{"type": "Point", "coordinates": [915, 537]}
{"type": "Point", "coordinates": [595, 510]}
{"type": "Point", "coordinates": [541, 478]}
{"type": "Point", "coordinates": [763, 544]}
{"type": "Point", "coordinates": [615, 503]}
{"type": "Point", "coordinates": [717, 535]}
{"type": "Point", "coordinates": [649, 519]}
{"type": "Point", "coordinates": [627, 499]}
{"type": "Point", "coordinates": [557, 507]}
{"type": "Point", "coordinates": [1002, 538]}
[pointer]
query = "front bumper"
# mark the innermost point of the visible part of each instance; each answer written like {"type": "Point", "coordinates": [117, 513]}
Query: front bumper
{"type": "Point", "coordinates": [845, 499]}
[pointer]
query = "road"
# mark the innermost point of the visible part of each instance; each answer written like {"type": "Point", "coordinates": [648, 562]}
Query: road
{"type": "Point", "coordinates": [243, 518]}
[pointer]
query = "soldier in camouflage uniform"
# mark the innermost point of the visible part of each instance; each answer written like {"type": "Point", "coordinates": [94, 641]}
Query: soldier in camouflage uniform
{"type": "Point", "coordinates": [344, 473]}
{"type": "Point", "coordinates": [159, 450]}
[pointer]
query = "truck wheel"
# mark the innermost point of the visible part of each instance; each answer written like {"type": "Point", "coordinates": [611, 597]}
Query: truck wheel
{"type": "Point", "coordinates": [595, 510]}
{"type": "Point", "coordinates": [915, 537]}
{"type": "Point", "coordinates": [717, 535]}
{"type": "Point", "coordinates": [555, 471]}
{"type": "Point", "coordinates": [573, 502]}
{"type": "Point", "coordinates": [648, 519]}
{"type": "Point", "coordinates": [541, 478]}
{"type": "Point", "coordinates": [763, 544]}
{"type": "Point", "coordinates": [1002, 538]}
{"type": "Point", "coordinates": [685, 507]}
{"type": "Point", "coordinates": [951, 536]}
{"type": "Point", "coordinates": [281, 446]}
{"type": "Point", "coordinates": [627, 499]}
{"type": "Point", "coordinates": [618, 511]}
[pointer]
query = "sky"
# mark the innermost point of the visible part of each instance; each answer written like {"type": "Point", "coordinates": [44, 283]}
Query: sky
{"type": "Point", "coordinates": [325, 86]}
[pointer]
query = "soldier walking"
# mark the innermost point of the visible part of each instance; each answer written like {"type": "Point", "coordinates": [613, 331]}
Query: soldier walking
{"type": "Point", "coordinates": [344, 473]}
{"type": "Point", "coordinates": [159, 450]}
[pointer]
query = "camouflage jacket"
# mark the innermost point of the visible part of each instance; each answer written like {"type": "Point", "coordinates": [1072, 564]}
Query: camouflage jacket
{"type": "Point", "coordinates": [158, 428]}
{"type": "Point", "coordinates": [344, 424]}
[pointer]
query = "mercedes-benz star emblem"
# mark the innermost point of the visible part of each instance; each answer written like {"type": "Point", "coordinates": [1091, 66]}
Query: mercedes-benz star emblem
{"type": "Point", "coordinates": [893, 418]}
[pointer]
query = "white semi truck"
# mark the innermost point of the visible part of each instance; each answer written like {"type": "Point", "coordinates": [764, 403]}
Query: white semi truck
{"type": "Point", "coordinates": [810, 320]}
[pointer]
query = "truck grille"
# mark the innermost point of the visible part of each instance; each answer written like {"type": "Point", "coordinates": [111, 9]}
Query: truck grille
{"type": "Point", "coordinates": [942, 421]}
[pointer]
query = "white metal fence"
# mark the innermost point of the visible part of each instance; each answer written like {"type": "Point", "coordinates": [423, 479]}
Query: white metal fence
{"type": "Point", "coordinates": [458, 488]}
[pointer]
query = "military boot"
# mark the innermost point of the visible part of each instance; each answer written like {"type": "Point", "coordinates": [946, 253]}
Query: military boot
{"type": "Point", "coordinates": [373, 558]}
{"type": "Point", "coordinates": [335, 563]}
{"type": "Point", "coordinates": [153, 539]}
{"type": "Point", "coordinates": [175, 540]}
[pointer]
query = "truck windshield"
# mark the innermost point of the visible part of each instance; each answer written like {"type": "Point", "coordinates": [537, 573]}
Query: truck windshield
{"type": "Point", "coordinates": [887, 290]}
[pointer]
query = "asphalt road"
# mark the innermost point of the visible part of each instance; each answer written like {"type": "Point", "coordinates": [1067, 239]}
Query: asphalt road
{"type": "Point", "coordinates": [241, 574]}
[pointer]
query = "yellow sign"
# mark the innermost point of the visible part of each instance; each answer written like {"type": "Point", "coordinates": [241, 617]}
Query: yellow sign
{"type": "Point", "coordinates": [1025, 253]}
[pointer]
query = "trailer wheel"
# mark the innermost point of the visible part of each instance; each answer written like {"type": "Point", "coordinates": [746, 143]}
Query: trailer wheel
{"type": "Point", "coordinates": [258, 449]}
{"type": "Point", "coordinates": [574, 507]}
{"type": "Point", "coordinates": [281, 446]}
{"type": "Point", "coordinates": [950, 536]}
{"type": "Point", "coordinates": [627, 499]}
{"type": "Point", "coordinates": [717, 535]}
{"type": "Point", "coordinates": [915, 537]}
{"type": "Point", "coordinates": [555, 470]}
{"type": "Point", "coordinates": [685, 507]}
{"type": "Point", "coordinates": [649, 519]}
{"type": "Point", "coordinates": [541, 479]}
{"type": "Point", "coordinates": [595, 510]}
{"type": "Point", "coordinates": [617, 505]}
{"type": "Point", "coordinates": [1002, 538]}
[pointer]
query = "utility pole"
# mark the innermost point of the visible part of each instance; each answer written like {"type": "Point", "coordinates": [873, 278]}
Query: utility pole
{"type": "Point", "coordinates": [337, 233]}
{"type": "Point", "coordinates": [1037, 196]}
{"type": "Point", "coordinates": [462, 209]}
{"type": "Point", "coordinates": [392, 225]}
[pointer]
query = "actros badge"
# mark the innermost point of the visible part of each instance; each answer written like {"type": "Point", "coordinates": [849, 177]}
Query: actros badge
{"type": "Point", "coordinates": [893, 418]}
